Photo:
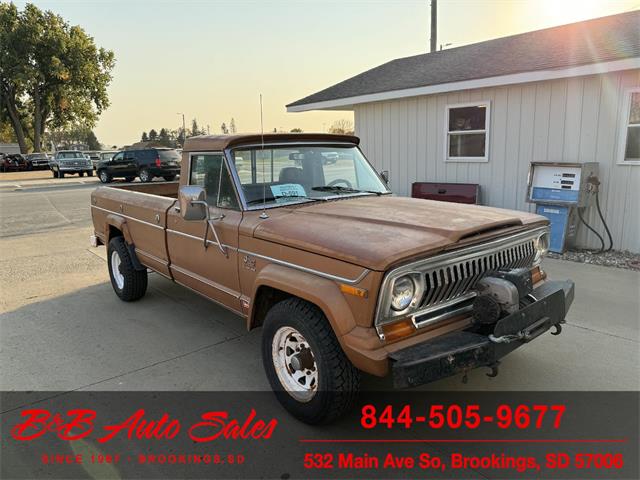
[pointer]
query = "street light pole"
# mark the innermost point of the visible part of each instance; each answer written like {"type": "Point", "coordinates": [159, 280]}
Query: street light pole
{"type": "Point", "coordinates": [184, 129]}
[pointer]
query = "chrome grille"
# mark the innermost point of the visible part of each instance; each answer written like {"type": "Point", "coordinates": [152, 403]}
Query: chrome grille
{"type": "Point", "coordinates": [449, 279]}
{"type": "Point", "coordinates": [446, 283]}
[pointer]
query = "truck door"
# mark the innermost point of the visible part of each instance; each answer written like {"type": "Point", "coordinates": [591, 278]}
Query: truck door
{"type": "Point", "coordinates": [212, 269]}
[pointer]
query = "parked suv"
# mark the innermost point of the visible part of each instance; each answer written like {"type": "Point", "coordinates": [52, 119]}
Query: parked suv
{"type": "Point", "coordinates": [146, 164]}
{"type": "Point", "coordinates": [39, 160]}
{"type": "Point", "coordinates": [70, 161]}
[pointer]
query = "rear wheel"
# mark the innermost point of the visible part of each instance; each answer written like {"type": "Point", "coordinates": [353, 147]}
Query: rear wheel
{"type": "Point", "coordinates": [54, 173]}
{"type": "Point", "coordinates": [104, 176]}
{"type": "Point", "coordinates": [129, 179]}
{"type": "Point", "coordinates": [145, 175]}
{"type": "Point", "coordinates": [81, 174]}
{"type": "Point", "coordinates": [128, 283]}
{"type": "Point", "coordinates": [306, 367]}
{"type": "Point", "coordinates": [89, 173]}
{"type": "Point", "coordinates": [169, 178]}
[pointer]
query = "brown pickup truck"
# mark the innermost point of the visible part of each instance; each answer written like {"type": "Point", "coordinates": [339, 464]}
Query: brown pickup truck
{"type": "Point", "coordinates": [298, 234]}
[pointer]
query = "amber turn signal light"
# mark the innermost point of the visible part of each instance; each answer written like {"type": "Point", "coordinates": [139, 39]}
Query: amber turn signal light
{"type": "Point", "coordinates": [396, 330]}
{"type": "Point", "coordinates": [537, 275]}
{"type": "Point", "coordinates": [358, 292]}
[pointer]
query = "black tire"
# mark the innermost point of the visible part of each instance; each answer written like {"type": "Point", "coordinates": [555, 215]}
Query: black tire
{"type": "Point", "coordinates": [81, 174]}
{"type": "Point", "coordinates": [134, 283]}
{"type": "Point", "coordinates": [338, 380]}
{"type": "Point", "coordinates": [60, 174]}
{"type": "Point", "coordinates": [104, 176]}
{"type": "Point", "coordinates": [129, 179]}
{"type": "Point", "coordinates": [169, 178]}
{"type": "Point", "coordinates": [145, 175]}
{"type": "Point", "coordinates": [55, 174]}
{"type": "Point", "coordinates": [89, 173]}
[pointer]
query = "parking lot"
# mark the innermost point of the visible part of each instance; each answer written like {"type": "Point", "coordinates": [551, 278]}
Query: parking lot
{"type": "Point", "coordinates": [62, 327]}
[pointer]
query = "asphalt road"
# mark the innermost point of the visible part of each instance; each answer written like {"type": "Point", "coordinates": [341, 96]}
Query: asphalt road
{"type": "Point", "coordinates": [63, 328]}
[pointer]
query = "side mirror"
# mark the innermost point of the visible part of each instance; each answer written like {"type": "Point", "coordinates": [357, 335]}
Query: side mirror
{"type": "Point", "coordinates": [193, 203]}
{"type": "Point", "coordinates": [385, 176]}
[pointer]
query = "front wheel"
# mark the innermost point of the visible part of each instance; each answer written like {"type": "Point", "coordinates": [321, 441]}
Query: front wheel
{"type": "Point", "coordinates": [104, 176]}
{"type": "Point", "coordinates": [54, 173]}
{"type": "Point", "coordinates": [306, 367]}
{"type": "Point", "coordinates": [89, 173]}
{"type": "Point", "coordinates": [128, 283]}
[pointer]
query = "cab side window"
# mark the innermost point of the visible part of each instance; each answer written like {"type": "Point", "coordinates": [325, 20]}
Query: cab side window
{"type": "Point", "coordinates": [210, 171]}
{"type": "Point", "coordinates": [119, 156]}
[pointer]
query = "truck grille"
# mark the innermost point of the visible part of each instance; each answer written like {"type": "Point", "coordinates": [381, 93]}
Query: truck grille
{"type": "Point", "coordinates": [446, 283]}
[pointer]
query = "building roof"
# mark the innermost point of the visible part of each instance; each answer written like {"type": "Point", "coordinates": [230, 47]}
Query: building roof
{"type": "Point", "coordinates": [613, 40]}
{"type": "Point", "coordinates": [221, 142]}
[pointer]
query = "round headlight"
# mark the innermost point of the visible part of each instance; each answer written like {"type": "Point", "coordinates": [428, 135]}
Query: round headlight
{"type": "Point", "coordinates": [403, 291]}
{"type": "Point", "coordinates": [542, 246]}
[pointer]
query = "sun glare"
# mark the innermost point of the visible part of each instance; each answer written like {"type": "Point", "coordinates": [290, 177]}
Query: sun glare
{"type": "Point", "coordinates": [569, 11]}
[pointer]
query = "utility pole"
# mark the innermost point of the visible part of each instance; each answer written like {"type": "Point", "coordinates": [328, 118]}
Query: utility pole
{"type": "Point", "coordinates": [434, 25]}
{"type": "Point", "coordinates": [184, 128]}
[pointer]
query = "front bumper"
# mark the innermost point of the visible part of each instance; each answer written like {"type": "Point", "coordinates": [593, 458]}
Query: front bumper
{"type": "Point", "coordinates": [461, 351]}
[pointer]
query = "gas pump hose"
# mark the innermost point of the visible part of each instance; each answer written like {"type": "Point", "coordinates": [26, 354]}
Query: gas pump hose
{"type": "Point", "coordinates": [606, 227]}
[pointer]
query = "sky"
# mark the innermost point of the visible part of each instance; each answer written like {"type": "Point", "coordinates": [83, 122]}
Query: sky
{"type": "Point", "coordinates": [211, 59]}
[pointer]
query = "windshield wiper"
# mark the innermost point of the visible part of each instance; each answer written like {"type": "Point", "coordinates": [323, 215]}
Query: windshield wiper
{"type": "Point", "coordinates": [341, 189]}
{"type": "Point", "coordinates": [260, 200]}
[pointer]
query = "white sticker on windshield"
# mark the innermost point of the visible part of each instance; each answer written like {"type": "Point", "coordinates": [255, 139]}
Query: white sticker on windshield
{"type": "Point", "coordinates": [288, 190]}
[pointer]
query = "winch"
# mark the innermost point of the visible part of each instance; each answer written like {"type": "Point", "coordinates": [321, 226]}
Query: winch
{"type": "Point", "coordinates": [501, 293]}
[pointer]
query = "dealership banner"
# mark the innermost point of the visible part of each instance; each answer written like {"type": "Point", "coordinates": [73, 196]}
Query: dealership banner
{"type": "Point", "coordinates": [466, 435]}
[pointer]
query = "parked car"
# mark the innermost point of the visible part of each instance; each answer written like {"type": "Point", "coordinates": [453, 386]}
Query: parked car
{"type": "Point", "coordinates": [38, 160]}
{"type": "Point", "coordinates": [15, 162]}
{"type": "Point", "coordinates": [342, 276]}
{"type": "Point", "coordinates": [94, 156]}
{"type": "Point", "coordinates": [70, 162]}
{"type": "Point", "coordinates": [145, 164]}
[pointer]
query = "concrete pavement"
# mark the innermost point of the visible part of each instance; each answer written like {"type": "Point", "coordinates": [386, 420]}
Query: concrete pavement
{"type": "Point", "coordinates": [63, 328]}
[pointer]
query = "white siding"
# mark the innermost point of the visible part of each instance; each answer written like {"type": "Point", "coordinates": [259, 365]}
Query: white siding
{"type": "Point", "coordinates": [567, 120]}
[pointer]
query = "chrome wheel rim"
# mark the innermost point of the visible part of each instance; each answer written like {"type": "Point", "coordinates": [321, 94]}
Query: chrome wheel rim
{"type": "Point", "coordinates": [103, 177]}
{"type": "Point", "coordinates": [295, 364]}
{"type": "Point", "coordinates": [144, 176]}
{"type": "Point", "coordinates": [115, 270]}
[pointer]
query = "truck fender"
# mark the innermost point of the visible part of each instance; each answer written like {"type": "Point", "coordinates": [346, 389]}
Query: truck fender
{"type": "Point", "coordinates": [323, 293]}
{"type": "Point", "coordinates": [118, 222]}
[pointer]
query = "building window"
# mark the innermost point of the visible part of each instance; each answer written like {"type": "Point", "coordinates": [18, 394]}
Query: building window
{"type": "Point", "coordinates": [467, 132]}
{"type": "Point", "coordinates": [630, 133]}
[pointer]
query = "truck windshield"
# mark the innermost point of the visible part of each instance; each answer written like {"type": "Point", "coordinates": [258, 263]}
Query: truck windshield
{"type": "Point", "coordinates": [285, 175]}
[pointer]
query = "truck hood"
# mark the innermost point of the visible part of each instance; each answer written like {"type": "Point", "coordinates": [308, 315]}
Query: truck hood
{"type": "Point", "coordinates": [378, 232]}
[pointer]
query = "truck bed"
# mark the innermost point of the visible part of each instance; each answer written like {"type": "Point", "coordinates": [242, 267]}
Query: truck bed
{"type": "Point", "coordinates": [140, 212]}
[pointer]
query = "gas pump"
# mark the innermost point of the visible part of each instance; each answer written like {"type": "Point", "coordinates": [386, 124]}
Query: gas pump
{"type": "Point", "coordinates": [561, 191]}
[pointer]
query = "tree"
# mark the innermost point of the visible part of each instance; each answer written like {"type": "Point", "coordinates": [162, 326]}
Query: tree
{"type": "Point", "coordinates": [92, 141]}
{"type": "Point", "coordinates": [195, 129]}
{"type": "Point", "coordinates": [296, 130]}
{"type": "Point", "coordinates": [224, 129]}
{"type": "Point", "coordinates": [342, 126]}
{"type": "Point", "coordinates": [153, 135]}
{"type": "Point", "coordinates": [51, 74]}
{"type": "Point", "coordinates": [144, 138]}
{"type": "Point", "coordinates": [163, 138]}
{"type": "Point", "coordinates": [232, 126]}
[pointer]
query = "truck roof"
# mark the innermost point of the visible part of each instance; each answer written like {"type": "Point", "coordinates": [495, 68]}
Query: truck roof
{"type": "Point", "coordinates": [221, 142]}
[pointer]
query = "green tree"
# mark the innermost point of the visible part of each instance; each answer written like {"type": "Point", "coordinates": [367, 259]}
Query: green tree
{"type": "Point", "coordinates": [153, 135]}
{"type": "Point", "coordinates": [92, 141]}
{"type": "Point", "coordinates": [195, 129]}
{"type": "Point", "coordinates": [144, 137]}
{"type": "Point", "coordinates": [51, 74]}
{"type": "Point", "coordinates": [224, 129]}
{"type": "Point", "coordinates": [296, 130]}
{"type": "Point", "coordinates": [232, 126]}
{"type": "Point", "coordinates": [164, 139]}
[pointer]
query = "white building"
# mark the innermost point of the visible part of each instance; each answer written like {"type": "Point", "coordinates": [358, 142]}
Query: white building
{"type": "Point", "coordinates": [482, 112]}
